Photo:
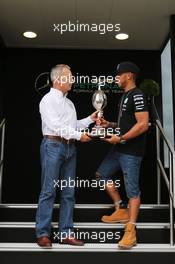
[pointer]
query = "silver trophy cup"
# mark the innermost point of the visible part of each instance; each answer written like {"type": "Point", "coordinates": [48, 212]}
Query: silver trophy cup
{"type": "Point", "coordinates": [99, 101]}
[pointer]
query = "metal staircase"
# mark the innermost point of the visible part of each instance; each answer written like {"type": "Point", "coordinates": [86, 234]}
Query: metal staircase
{"type": "Point", "coordinates": [155, 227]}
{"type": "Point", "coordinates": [17, 229]}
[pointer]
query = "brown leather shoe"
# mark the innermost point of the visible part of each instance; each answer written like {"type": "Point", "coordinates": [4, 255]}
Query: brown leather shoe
{"type": "Point", "coordinates": [44, 242]}
{"type": "Point", "coordinates": [72, 241]}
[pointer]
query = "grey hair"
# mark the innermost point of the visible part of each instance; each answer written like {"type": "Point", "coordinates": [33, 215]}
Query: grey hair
{"type": "Point", "coordinates": [56, 71]}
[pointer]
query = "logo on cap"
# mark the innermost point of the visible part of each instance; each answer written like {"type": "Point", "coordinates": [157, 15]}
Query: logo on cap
{"type": "Point", "coordinates": [118, 66]}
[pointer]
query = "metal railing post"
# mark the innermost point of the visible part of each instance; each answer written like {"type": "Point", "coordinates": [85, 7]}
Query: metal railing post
{"type": "Point", "coordinates": [168, 180]}
{"type": "Point", "coordinates": [173, 179]}
{"type": "Point", "coordinates": [2, 157]}
{"type": "Point", "coordinates": [171, 201]}
{"type": "Point", "coordinates": [158, 169]}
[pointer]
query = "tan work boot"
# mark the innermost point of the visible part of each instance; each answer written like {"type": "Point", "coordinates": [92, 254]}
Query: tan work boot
{"type": "Point", "coordinates": [129, 239]}
{"type": "Point", "coordinates": [119, 216]}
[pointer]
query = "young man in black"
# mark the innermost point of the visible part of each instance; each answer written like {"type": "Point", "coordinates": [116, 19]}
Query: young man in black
{"type": "Point", "coordinates": [127, 151]}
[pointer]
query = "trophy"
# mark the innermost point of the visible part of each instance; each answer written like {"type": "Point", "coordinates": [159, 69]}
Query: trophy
{"type": "Point", "coordinates": [99, 101]}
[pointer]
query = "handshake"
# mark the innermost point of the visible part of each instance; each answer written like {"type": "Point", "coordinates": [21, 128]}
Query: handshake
{"type": "Point", "coordinates": [111, 138]}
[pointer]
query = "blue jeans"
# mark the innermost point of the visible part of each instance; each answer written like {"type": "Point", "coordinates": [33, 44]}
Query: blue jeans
{"type": "Point", "coordinates": [130, 166]}
{"type": "Point", "coordinates": [58, 163]}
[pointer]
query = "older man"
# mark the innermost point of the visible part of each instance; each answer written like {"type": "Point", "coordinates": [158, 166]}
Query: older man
{"type": "Point", "coordinates": [60, 129]}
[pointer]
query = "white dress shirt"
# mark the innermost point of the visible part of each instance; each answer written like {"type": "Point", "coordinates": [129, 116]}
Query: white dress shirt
{"type": "Point", "coordinates": [59, 117]}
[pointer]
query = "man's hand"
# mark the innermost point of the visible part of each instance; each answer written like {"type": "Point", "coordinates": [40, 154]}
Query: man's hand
{"type": "Point", "coordinates": [94, 116]}
{"type": "Point", "coordinates": [85, 138]}
{"type": "Point", "coordinates": [114, 139]}
{"type": "Point", "coordinates": [103, 123]}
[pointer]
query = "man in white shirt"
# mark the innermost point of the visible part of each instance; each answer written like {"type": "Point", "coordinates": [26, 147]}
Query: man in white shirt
{"type": "Point", "coordinates": [60, 129]}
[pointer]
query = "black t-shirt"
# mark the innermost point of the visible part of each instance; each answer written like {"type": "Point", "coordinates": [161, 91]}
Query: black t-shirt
{"type": "Point", "coordinates": [131, 102]}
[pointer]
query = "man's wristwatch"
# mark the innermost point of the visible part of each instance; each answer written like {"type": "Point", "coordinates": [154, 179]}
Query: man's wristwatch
{"type": "Point", "coordinates": [122, 140]}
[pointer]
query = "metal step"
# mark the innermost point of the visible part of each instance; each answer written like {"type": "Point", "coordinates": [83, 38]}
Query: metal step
{"type": "Point", "coordinates": [89, 232]}
{"type": "Point", "coordinates": [103, 253]}
{"type": "Point", "coordinates": [88, 225]}
{"type": "Point", "coordinates": [18, 223]}
{"type": "Point", "coordinates": [82, 212]}
{"type": "Point", "coordinates": [84, 206]}
{"type": "Point", "coordinates": [33, 247]}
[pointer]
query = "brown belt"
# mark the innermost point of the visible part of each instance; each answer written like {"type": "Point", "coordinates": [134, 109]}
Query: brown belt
{"type": "Point", "coordinates": [60, 139]}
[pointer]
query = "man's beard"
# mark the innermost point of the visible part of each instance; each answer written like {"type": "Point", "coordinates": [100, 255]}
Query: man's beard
{"type": "Point", "coordinates": [121, 85]}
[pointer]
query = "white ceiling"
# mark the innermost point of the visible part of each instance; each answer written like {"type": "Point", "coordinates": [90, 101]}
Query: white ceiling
{"type": "Point", "coordinates": [146, 21]}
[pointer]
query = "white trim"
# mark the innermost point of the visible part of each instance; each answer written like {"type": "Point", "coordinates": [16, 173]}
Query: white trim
{"type": "Point", "coordinates": [89, 225]}
{"type": "Point", "coordinates": [88, 247]}
{"type": "Point", "coordinates": [83, 206]}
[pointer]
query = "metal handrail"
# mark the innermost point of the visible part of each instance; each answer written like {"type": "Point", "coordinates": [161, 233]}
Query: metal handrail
{"type": "Point", "coordinates": [2, 127]}
{"type": "Point", "coordinates": [159, 130]}
{"type": "Point", "coordinates": [161, 171]}
{"type": "Point", "coordinates": [170, 182]}
{"type": "Point", "coordinates": [169, 145]}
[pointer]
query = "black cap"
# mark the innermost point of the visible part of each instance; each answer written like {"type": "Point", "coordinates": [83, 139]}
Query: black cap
{"type": "Point", "coordinates": [127, 66]}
